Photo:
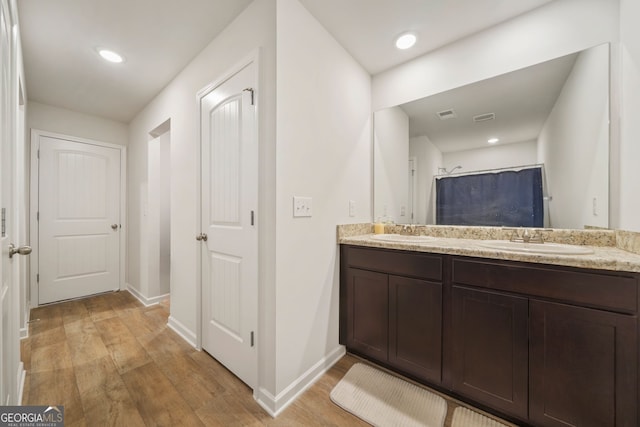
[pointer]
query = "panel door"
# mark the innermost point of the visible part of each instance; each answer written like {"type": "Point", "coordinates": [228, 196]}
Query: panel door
{"type": "Point", "coordinates": [581, 373]}
{"type": "Point", "coordinates": [10, 368]}
{"type": "Point", "coordinates": [229, 147]}
{"type": "Point", "coordinates": [79, 225]}
{"type": "Point", "coordinates": [415, 327]}
{"type": "Point", "coordinates": [368, 313]}
{"type": "Point", "coordinates": [490, 360]}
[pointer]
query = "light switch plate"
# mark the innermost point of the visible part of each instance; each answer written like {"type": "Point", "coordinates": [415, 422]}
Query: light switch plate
{"type": "Point", "coordinates": [302, 206]}
{"type": "Point", "coordinates": [352, 208]}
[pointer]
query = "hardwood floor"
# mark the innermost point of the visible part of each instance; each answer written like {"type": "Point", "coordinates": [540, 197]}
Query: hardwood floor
{"type": "Point", "coordinates": [113, 362]}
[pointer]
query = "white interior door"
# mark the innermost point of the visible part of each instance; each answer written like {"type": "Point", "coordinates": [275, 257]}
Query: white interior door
{"type": "Point", "coordinates": [9, 292]}
{"type": "Point", "coordinates": [79, 219]}
{"type": "Point", "coordinates": [229, 202]}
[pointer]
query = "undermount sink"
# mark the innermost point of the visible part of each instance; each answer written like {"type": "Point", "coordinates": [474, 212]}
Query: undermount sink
{"type": "Point", "coordinates": [535, 248]}
{"type": "Point", "coordinates": [402, 238]}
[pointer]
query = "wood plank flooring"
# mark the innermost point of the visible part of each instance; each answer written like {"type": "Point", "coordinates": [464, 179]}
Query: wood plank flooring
{"type": "Point", "coordinates": [113, 362]}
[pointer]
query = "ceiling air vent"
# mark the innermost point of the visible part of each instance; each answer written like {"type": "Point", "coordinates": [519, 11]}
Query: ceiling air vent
{"type": "Point", "coordinates": [484, 117]}
{"type": "Point", "coordinates": [447, 114]}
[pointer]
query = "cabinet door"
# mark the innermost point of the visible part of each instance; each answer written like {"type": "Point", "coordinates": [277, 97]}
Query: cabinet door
{"type": "Point", "coordinates": [368, 313]}
{"type": "Point", "coordinates": [415, 327]}
{"type": "Point", "coordinates": [583, 367]}
{"type": "Point", "coordinates": [489, 361]}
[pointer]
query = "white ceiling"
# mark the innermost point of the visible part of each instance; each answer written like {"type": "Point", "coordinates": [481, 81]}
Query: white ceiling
{"type": "Point", "coordinates": [521, 101]}
{"type": "Point", "coordinates": [159, 37]}
{"type": "Point", "coordinates": [368, 28]}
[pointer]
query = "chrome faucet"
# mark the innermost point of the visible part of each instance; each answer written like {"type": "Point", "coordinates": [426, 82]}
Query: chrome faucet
{"type": "Point", "coordinates": [527, 237]}
{"type": "Point", "coordinates": [410, 227]}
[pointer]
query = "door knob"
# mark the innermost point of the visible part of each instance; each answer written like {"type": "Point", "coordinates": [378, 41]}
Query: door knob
{"type": "Point", "coordinates": [21, 250]}
{"type": "Point", "coordinates": [114, 226]}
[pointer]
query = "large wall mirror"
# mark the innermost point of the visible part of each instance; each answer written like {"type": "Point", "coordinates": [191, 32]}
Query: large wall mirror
{"type": "Point", "coordinates": [552, 117]}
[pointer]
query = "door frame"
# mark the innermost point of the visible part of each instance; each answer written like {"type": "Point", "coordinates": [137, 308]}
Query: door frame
{"type": "Point", "coordinates": [253, 57]}
{"type": "Point", "coordinates": [34, 207]}
{"type": "Point", "coordinates": [413, 185]}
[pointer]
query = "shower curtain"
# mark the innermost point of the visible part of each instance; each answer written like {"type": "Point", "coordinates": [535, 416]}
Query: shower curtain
{"type": "Point", "coordinates": [507, 198]}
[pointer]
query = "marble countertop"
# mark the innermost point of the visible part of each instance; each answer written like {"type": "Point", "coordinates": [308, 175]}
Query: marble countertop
{"type": "Point", "coordinates": [603, 257]}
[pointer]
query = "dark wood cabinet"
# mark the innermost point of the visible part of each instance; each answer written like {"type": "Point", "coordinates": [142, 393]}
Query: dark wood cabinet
{"type": "Point", "coordinates": [538, 344]}
{"type": "Point", "coordinates": [415, 327]}
{"type": "Point", "coordinates": [368, 313]}
{"type": "Point", "coordinates": [391, 319]}
{"type": "Point", "coordinates": [583, 367]}
{"type": "Point", "coordinates": [490, 349]}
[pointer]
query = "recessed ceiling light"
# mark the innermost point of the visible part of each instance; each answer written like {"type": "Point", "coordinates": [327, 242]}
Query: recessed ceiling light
{"type": "Point", "coordinates": [405, 41]}
{"type": "Point", "coordinates": [110, 56]}
{"type": "Point", "coordinates": [493, 140]}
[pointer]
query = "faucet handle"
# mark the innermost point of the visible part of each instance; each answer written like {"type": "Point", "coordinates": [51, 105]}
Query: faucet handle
{"type": "Point", "coordinates": [537, 237]}
{"type": "Point", "coordinates": [514, 236]}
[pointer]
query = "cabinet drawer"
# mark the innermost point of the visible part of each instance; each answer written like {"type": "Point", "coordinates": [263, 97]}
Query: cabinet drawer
{"type": "Point", "coordinates": [404, 263]}
{"type": "Point", "coordinates": [615, 292]}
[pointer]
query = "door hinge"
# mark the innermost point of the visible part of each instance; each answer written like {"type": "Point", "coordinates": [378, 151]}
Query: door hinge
{"type": "Point", "coordinates": [38, 153]}
{"type": "Point", "coordinates": [249, 89]}
{"type": "Point", "coordinates": [38, 216]}
{"type": "Point", "coordinates": [38, 278]}
{"type": "Point", "coordinates": [252, 217]}
{"type": "Point", "coordinates": [252, 340]}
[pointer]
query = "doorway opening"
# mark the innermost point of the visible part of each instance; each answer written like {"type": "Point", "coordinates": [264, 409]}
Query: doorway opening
{"type": "Point", "coordinates": [158, 213]}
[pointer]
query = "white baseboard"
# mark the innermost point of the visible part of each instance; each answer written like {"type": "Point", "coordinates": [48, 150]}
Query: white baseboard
{"type": "Point", "coordinates": [187, 334]}
{"type": "Point", "coordinates": [274, 405]}
{"type": "Point", "coordinates": [147, 302]}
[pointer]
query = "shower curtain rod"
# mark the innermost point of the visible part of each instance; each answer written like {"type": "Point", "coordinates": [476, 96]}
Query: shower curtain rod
{"type": "Point", "coordinates": [510, 168]}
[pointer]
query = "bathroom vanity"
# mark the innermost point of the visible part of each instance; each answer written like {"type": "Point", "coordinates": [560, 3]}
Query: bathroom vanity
{"type": "Point", "coordinates": [534, 342]}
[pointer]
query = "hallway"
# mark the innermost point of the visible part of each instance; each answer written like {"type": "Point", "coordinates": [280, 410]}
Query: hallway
{"type": "Point", "coordinates": [111, 361]}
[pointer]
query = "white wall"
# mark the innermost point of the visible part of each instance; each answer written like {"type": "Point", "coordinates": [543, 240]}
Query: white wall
{"type": "Point", "coordinates": [492, 157]}
{"type": "Point", "coordinates": [164, 208]}
{"type": "Point", "coordinates": [574, 145]}
{"type": "Point", "coordinates": [155, 224]}
{"type": "Point", "coordinates": [253, 29]}
{"type": "Point", "coordinates": [324, 152]}
{"type": "Point", "coordinates": [429, 160]}
{"type": "Point", "coordinates": [555, 29]}
{"type": "Point", "coordinates": [630, 111]}
{"type": "Point", "coordinates": [67, 122]}
{"type": "Point", "coordinates": [391, 157]}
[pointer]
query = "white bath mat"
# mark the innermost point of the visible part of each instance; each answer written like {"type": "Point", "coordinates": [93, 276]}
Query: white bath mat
{"type": "Point", "coordinates": [463, 417]}
{"type": "Point", "coordinates": [384, 400]}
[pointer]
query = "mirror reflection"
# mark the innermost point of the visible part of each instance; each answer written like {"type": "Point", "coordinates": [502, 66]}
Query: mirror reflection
{"type": "Point", "coordinates": [460, 157]}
